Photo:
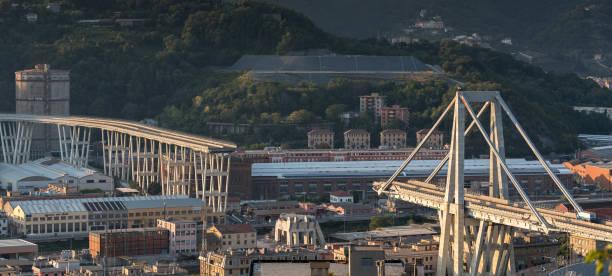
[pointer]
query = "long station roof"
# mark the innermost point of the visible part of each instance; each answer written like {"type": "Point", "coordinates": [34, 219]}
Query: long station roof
{"type": "Point", "coordinates": [417, 168]}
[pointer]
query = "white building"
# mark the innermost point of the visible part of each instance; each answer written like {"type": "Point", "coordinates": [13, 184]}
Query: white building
{"type": "Point", "coordinates": [182, 236]}
{"type": "Point", "coordinates": [340, 197]}
{"type": "Point", "coordinates": [38, 174]}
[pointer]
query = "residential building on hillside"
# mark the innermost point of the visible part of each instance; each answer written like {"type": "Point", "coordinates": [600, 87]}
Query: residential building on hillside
{"type": "Point", "coordinates": [389, 114]}
{"type": "Point", "coordinates": [183, 236]}
{"type": "Point", "coordinates": [372, 104]}
{"type": "Point", "coordinates": [320, 139]}
{"type": "Point", "coordinates": [356, 139]}
{"type": "Point", "coordinates": [392, 139]}
{"type": "Point", "coordinates": [435, 141]}
{"type": "Point", "coordinates": [230, 237]}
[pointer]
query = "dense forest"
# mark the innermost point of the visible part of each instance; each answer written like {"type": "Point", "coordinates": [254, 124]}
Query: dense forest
{"type": "Point", "coordinates": [166, 68]}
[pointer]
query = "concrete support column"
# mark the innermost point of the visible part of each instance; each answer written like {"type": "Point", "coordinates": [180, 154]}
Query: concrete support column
{"type": "Point", "coordinates": [15, 140]}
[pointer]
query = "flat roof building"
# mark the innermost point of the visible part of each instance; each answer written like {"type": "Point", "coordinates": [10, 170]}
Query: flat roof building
{"type": "Point", "coordinates": [62, 218]}
{"type": "Point", "coordinates": [279, 180]}
{"type": "Point", "coordinates": [38, 174]}
{"type": "Point", "coordinates": [324, 68]}
{"type": "Point", "coordinates": [18, 248]}
{"type": "Point", "coordinates": [129, 242]}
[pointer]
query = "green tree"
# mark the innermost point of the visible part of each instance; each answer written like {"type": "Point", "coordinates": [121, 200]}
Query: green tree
{"type": "Point", "coordinates": [601, 258]}
{"type": "Point", "coordinates": [333, 112]}
{"type": "Point", "coordinates": [380, 221]}
{"type": "Point", "coordinates": [301, 116]}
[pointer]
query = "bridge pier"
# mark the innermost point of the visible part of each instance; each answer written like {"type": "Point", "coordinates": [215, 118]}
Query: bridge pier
{"type": "Point", "coordinates": [74, 144]}
{"type": "Point", "coordinates": [16, 141]}
{"type": "Point", "coordinates": [472, 242]}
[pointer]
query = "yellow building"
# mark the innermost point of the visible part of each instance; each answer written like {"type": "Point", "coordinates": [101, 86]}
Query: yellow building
{"type": "Point", "coordinates": [393, 139]}
{"type": "Point", "coordinates": [230, 236]}
{"type": "Point", "coordinates": [220, 264]}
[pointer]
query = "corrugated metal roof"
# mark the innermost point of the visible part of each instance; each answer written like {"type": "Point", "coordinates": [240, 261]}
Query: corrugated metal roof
{"type": "Point", "coordinates": [79, 204]}
{"type": "Point", "coordinates": [387, 168]}
{"type": "Point", "coordinates": [46, 168]}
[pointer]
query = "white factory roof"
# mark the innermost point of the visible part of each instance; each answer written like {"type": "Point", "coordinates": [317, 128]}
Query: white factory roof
{"type": "Point", "coordinates": [41, 169]}
{"type": "Point", "coordinates": [388, 232]}
{"type": "Point", "coordinates": [387, 168]}
{"type": "Point", "coordinates": [81, 204]}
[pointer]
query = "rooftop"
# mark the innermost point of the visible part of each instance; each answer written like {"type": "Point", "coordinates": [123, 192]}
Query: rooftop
{"type": "Point", "coordinates": [425, 130]}
{"type": "Point", "coordinates": [15, 242]}
{"type": "Point", "coordinates": [356, 131]}
{"type": "Point", "coordinates": [329, 63]}
{"type": "Point", "coordinates": [320, 131]}
{"type": "Point", "coordinates": [388, 232]}
{"type": "Point", "coordinates": [234, 228]}
{"type": "Point", "coordinates": [104, 203]}
{"type": "Point", "coordinates": [416, 168]}
{"type": "Point", "coordinates": [392, 131]}
{"type": "Point", "coordinates": [41, 169]}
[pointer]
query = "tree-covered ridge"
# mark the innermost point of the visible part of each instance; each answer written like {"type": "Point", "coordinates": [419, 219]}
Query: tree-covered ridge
{"type": "Point", "coordinates": [166, 69]}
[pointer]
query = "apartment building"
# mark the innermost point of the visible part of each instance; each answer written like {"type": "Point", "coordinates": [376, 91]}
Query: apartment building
{"type": "Point", "coordinates": [356, 139]}
{"type": "Point", "coordinates": [392, 139]}
{"type": "Point", "coordinates": [389, 114]}
{"type": "Point", "coordinates": [372, 104]}
{"type": "Point", "coordinates": [183, 236]}
{"type": "Point", "coordinates": [230, 236]}
{"type": "Point", "coordinates": [435, 141]}
{"type": "Point", "coordinates": [320, 138]}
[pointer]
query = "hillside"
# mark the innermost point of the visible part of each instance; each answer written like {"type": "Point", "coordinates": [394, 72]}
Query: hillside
{"type": "Point", "coordinates": [165, 68]}
{"type": "Point", "coordinates": [564, 34]}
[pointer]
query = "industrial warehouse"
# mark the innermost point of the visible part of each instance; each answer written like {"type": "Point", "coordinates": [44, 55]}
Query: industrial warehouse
{"type": "Point", "coordinates": [43, 219]}
{"type": "Point", "coordinates": [274, 180]}
{"type": "Point", "coordinates": [38, 174]}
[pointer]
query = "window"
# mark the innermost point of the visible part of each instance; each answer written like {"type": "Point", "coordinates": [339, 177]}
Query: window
{"type": "Point", "coordinates": [298, 188]}
{"type": "Point", "coordinates": [90, 181]}
{"type": "Point", "coordinates": [102, 181]}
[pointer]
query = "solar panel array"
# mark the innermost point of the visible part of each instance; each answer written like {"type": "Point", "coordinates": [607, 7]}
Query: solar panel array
{"type": "Point", "coordinates": [102, 204]}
